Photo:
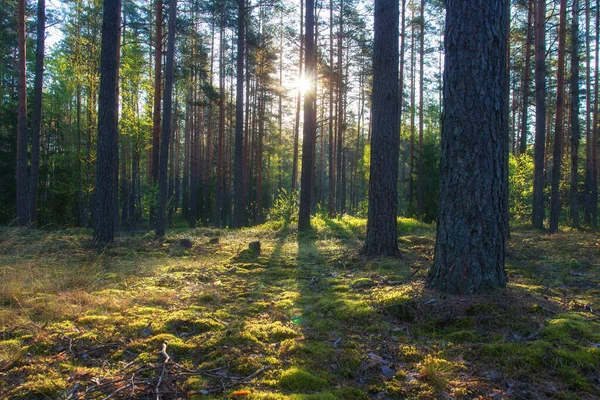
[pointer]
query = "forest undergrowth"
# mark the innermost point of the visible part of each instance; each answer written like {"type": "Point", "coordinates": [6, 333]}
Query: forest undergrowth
{"type": "Point", "coordinates": [199, 315]}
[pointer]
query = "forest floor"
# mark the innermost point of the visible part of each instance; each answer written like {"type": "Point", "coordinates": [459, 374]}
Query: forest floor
{"type": "Point", "coordinates": [308, 318]}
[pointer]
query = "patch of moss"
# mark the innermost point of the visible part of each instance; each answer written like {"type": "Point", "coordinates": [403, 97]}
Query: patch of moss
{"type": "Point", "coordinates": [464, 336]}
{"type": "Point", "coordinates": [363, 283]}
{"type": "Point", "coordinates": [347, 310]}
{"type": "Point", "coordinates": [298, 380]}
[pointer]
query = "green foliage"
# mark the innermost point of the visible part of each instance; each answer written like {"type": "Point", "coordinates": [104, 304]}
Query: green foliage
{"type": "Point", "coordinates": [285, 207]}
{"type": "Point", "coordinates": [520, 185]}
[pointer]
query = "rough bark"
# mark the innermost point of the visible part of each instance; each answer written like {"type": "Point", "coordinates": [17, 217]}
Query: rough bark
{"type": "Point", "coordinates": [559, 119]}
{"type": "Point", "coordinates": [105, 210]}
{"type": "Point", "coordinates": [385, 141]}
{"type": "Point", "coordinates": [166, 127]}
{"type": "Point", "coordinates": [309, 120]}
{"type": "Point", "coordinates": [472, 229]}
{"type": "Point", "coordinates": [537, 217]}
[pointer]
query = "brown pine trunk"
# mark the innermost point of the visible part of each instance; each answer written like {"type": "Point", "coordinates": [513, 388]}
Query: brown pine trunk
{"type": "Point", "coordinates": [559, 120]}
{"type": "Point", "coordinates": [411, 157]}
{"type": "Point", "coordinates": [219, 198]}
{"type": "Point", "coordinates": [382, 228]}
{"type": "Point", "coordinates": [166, 126]}
{"type": "Point", "coordinates": [309, 120]}
{"type": "Point", "coordinates": [472, 229]}
{"type": "Point", "coordinates": [21, 168]}
{"type": "Point", "coordinates": [157, 91]}
{"type": "Point", "coordinates": [595, 163]}
{"type": "Point", "coordinates": [421, 166]}
{"type": "Point", "coordinates": [526, 79]}
{"type": "Point", "coordinates": [239, 219]}
{"type": "Point", "coordinates": [537, 217]}
{"type": "Point", "coordinates": [573, 190]}
{"type": "Point", "coordinates": [340, 111]}
{"type": "Point", "coordinates": [105, 210]}
{"type": "Point", "coordinates": [298, 101]}
{"type": "Point", "coordinates": [37, 112]}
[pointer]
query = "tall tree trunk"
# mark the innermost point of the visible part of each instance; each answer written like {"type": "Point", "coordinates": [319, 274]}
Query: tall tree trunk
{"type": "Point", "coordinates": [421, 166]}
{"type": "Point", "coordinates": [330, 159]}
{"type": "Point", "coordinates": [559, 121]}
{"type": "Point", "coordinates": [573, 190]}
{"type": "Point", "coordinates": [594, 189]}
{"type": "Point", "coordinates": [309, 120]}
{"type": "Point", "coordinates": [472, 229]}
{"type": "Point", "coordinates": [21, 168]}
{"type": "Point", "coordinates": [382, 237]}
{"type": "Point", "coordinates": [166, 126]}
{"type": "Point", "coordinates": [526, 79]}
{"type": "Point", "coordinates": [340, 110]}
{"type": "Point", "coordinates": [298, 101]}
{"type": "Point", "coordinates": [157, 90]}
{"type": "Point", "coordinates": [587, 212]}
{"type": "Point", "coordinates": [411, 157]}
{"type": "Point", "coordinates": [219, 187]}
{"type": "Point", "coordinates": [240, 198]}
{"type": "Point", "coordinates": [537, 217]}
{"type": "Point", "coordinates": [37, 111]}
{"type": "Point", "coordinates": [104, 215]}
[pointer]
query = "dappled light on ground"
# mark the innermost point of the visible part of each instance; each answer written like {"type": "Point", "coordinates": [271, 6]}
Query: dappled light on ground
{"type": "Point", "coordinates": [198, 314]}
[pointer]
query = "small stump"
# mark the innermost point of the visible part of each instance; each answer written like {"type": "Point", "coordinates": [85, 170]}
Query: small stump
{"type": "Point", "coordinates": [254, 247]}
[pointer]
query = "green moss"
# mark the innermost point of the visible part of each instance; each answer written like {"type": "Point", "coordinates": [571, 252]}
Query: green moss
{"type": "Point", "coordinates": [463, 336]}
{"type": "Point", "coordinates": [567, 328]}
{"type": "Point", "coordinates": [49, 385]}
{"type": "Point", "coordinates": [347, 310]}
{"type": "Point", "coordinates": [299, 380]}
{"type": "Point", "coordinates": [317, 396]}
{"type": "Point", "coordinates": [363, 283]}
{"type": "Point", "coordinates": [396, 303]}
{"type": "Point", "coordinates": [350, 393]}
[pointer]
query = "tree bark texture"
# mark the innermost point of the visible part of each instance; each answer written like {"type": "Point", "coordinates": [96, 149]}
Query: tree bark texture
{"type": "Point", "coordinates": [310, 117]}
{"type": "Point", "coordinates": [166, 126]}
{"type": "Point", "coordinates": [104, 215]}
{"type": "Point", "coordinates": [385, 140]}
{"type": "Point", "coordinates": [472, 228]}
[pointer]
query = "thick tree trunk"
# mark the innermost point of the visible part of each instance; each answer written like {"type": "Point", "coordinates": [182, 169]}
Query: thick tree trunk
{"type": "Point", "coordinates": [239, 219]}
{"type": "Point", "coordinates": [559, 120]}
{"type": "Point", "coordinates": [37, 111]}
{"type": "Point", "coordinates": [166, 126]}
{"type": "Point", "coordinates": [573, 190]}
{"type": "Point", "coordinates": [21, 168]}
{"type": "Point", "coordinates": [385, 141]}
{"type": "Point", "coordinates": [309, 120]}
{"type": "Point", "coordinates": [537, 217]}
{"type": "Point", "coordinates": [472, 229]}
{"type": "Point", "coordinates": [105, 211]}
